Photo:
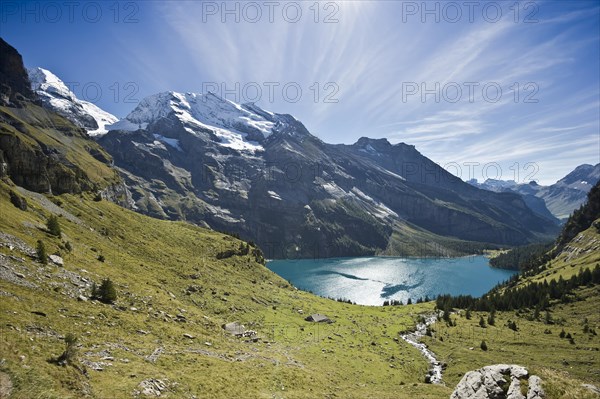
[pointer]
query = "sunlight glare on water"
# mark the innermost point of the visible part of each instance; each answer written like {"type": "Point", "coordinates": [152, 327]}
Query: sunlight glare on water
{"type": "Point", "coordinates": [372, 280]}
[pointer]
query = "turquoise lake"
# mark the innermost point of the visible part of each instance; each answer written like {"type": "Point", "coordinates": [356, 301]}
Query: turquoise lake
{"type": "Point", "coordinates": [372, 280]}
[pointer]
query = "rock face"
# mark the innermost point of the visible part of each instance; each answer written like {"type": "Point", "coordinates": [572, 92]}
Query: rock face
{"type": "Point", "coordinates": [262, 175]}
{"type": "Point", "coordinates": [500, 381]}
{"type": "Point", "coordinates": [42, 151]}
{"type": "Point", "coordinates": [14, 83]}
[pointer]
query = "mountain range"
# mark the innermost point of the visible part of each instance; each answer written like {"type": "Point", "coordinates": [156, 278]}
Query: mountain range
{"type": "Point", "coordinates": [560, 198]}
{"type": "Point", "coordinates": [264, 176]}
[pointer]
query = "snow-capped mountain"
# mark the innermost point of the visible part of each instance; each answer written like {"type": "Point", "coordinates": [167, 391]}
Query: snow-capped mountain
{"type": "Point", "coordinates": [560, 198]}
{"type": "Point", "coordinates": [55, 95]}
{"type": "Point", "coordinates": [240, 127]}
{"type": "Point", "coordinates": [262, 175]}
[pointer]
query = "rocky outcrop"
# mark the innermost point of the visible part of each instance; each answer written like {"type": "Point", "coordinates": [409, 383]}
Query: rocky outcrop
{"type": "Point", "coordinates": [14, 82]}
{"type": "Point", "coordinates": [500, 381]}
{"type": "Point", "coordinates": [37, 168]}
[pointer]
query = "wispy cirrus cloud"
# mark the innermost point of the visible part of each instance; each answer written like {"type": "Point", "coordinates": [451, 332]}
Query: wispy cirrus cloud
{"type": "Point", "coordinates": [358, 73]}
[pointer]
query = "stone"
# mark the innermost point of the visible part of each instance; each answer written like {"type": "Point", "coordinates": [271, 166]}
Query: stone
{"type": "Point", "coordinates": [152, 387]}
{"type": "Point", "coordinates": [535, 390]}
{"type": "Point", "coordinates": [591, 387]}
{"type": "Point", "coordinates": [190, 336]}
{"type": "Point", "coordinates": [518, 372]}
{"type": "Point", "coordinates": [57, 260]}
{"type": "Point", "coordinates": [234, 328]}
{"type": "Point", "coordinates": [514, 390]}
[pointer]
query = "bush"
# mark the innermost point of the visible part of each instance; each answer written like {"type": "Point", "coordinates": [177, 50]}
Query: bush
{"type": "Point", "coordinates": [70, 353]}
{"type": "Point", "coordinates": [106, 292]}
{"type": "Point", "coordinates": [483, 346]}
{"type": "Point", "coordinates": [481, 322]}
{"type": "Point", "coordinates": [101, 258]}
{"type": "Point", "coordinates": [18, 201]}
{"type": "Point", "coordinates": [53, 226]}
{"type": "Point", "coordinates": [42, 255]}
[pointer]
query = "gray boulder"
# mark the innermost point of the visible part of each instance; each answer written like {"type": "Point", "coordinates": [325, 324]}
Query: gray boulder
{"type": "Point", "coordinates": [57, 260]}
{"type": "Point", "coordinates": [492, 382]}
{"type": "Point", "coordinates": [535, 390]}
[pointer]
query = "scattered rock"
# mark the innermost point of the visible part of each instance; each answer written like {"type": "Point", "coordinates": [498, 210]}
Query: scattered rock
{"type": "Point", "coordinates": [591, 387]}
{"type": "Point", "coordinates": [234, 328]}
{"type": "Point", "coordinates": [153, 357]}
{"type": "Point", "coordinates": [57, 260]}
{"type": "Point", "coordinates": [152, 387]}
{"type": "Point", "coordinates": [5, 385]}
{"type": "Point", "coordinates": [82, 298]}
{"type": "Point", "coordinates": [37, 312]}
{"type": "Point", "coordinates": [190, 336]}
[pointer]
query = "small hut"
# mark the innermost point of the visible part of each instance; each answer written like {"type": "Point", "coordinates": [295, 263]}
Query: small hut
{"type": "Point", "coordinates": [318, 318]}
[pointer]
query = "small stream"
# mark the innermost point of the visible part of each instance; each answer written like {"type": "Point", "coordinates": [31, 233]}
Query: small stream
{"type": "Point", "coordinates": [413, 338]}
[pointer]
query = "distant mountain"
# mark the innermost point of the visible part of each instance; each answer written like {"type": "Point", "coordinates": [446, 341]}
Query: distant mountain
{"type": "Point", "coordinates": [56, 96]}
{"type": "Point", "coordinates": [560, 198]}
{"type": "Point", "coordinates": [239, 168]}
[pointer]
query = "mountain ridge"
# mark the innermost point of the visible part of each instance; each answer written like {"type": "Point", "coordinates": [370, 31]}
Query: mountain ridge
{"type": "Point", "coordinates": [246, 166]}
{"type": "Point", "coordinates": [264, 176]}
{"type": "Point", "coordinates": [560, 198]}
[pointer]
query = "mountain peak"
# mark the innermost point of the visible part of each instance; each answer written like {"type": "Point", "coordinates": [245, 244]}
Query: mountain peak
{"type": "Point", "coordinates": [364, 141]}
{"type": "Point", "coordinates": [583, 175]}
{"type": "Point", "coordinates": [240, 127]}
{"type": "Point", "coordinates": [56, 96]}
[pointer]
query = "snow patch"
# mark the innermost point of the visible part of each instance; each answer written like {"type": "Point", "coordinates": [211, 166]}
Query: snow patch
{"type": "Point", "coordinates": [229, 121]}
{"type": "Point", "coordinates": [171, 142]}
{"type": "Point", "coordinates": [274, 195]}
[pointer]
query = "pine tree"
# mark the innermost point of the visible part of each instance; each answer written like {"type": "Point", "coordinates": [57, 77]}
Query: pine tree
{"type": "Point", "coordinates": [41, 253]}
{"type": "Point", "coordinates": [53, 226]}
{"type": "Point", "coordinates": [483, 346]}
{"type": "Point", "coordinates": [492, 318]}
{"type": "Point", "coordinates": [468, 314]}
{"type": "Point", "coordinates": [481, 322]}
{"type": "Point", "coordinates": [106, 292]}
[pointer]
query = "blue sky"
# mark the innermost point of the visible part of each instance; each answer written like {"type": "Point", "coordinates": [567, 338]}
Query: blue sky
{"type": "Point", "coordinates": [497, 89]}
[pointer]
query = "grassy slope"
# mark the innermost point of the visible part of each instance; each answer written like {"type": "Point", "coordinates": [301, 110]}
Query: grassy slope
{"type": "Point", "coordinates": [149, 260]}
{"type": "Point", "coordinates": [563, 365]}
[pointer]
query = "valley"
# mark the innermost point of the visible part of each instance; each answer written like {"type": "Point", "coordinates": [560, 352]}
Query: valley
{"type": "Point", "coordinates": [204, 248]}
